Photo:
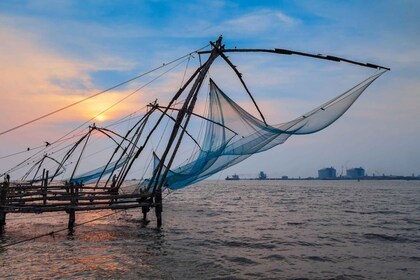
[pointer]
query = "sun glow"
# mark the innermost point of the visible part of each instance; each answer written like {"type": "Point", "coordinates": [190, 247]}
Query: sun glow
{"type": "Point", "coordinates": [101, 118]}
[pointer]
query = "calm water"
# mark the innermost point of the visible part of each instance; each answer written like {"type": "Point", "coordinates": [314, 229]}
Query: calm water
{"type": "Point", "coordinates": [234, 230]}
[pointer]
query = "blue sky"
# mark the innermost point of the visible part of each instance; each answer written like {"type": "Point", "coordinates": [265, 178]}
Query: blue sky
{"type": "Point", "coordinates": [54, 52]}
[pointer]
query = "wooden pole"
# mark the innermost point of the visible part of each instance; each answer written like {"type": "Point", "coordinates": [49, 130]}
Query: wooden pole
{"type": "Point", "coordinates": [72, 212]}
{"type": "Point", "coordinates": [144, 210]}
{"type": "Point", "coordinates": [159, 175]}
{"type": "Point", "coordinates": [3, 196]}
{"type": "Point", "coordinates": [44, 191]}
{"type": "Point", "coordinates": [158, 206]}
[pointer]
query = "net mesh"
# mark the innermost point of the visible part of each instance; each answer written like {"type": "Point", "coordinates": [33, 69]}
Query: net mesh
{"type": "Point", "coordinates": [233, 134]}
{"type": "Point", "coordinates": [97, 173]}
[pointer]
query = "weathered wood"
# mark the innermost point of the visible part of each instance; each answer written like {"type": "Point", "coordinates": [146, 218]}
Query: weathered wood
{"type": "Point", "coordinates": [44, 189]}
{"type": "Point", "coordinates": [145, 210]}
{"type": "Point", "coordinates": [50, 194]}
{"type": "Point", "coordinates": [158, 207]}
{"type": "Point", "coordinates": [71, 198]}
{"type": "Point", "coordinates": [3, 196]}
{"type": "Point", "coordinates": [160, 173]}
{"type": "Point", "coordinates": [42, 209]}
{"type": "Point", "coordinates": [51, 187]}
{"type": "Point", "coordinates": [290, 52]}
{"type": "Point", "coordinates": [93, 202]}
{"type": "Point", "coordinates": [73, 204]}
{"type": "Point", "coordinates": [81, 195]}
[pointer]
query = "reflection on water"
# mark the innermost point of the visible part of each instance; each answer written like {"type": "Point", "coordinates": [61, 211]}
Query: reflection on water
{"type": "Point", "coordinates": [233, 230]}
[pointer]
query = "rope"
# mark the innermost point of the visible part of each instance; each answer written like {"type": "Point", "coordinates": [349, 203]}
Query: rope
{"type": "Point", "coordinates": [150, 158]}
{"type": "Point", "coordinates": [110, 107]}
{"type": "Point", "coordinates": [21, 152]}
{"type": "Point", "coordinates": [97, 94]}
{"type": "Point", "coordinates": [185, 72]}
{"type": "Point", "coordinates": [62, 139]}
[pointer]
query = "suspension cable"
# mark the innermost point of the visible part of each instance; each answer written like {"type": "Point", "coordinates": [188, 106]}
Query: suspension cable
{"type": "Point", "coordinates": [98, 93]}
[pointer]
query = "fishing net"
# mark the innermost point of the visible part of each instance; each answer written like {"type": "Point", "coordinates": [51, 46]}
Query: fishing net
{"type": "Point", "coordinates": [98, 172]}
{"type": "Point", "coordinates": [232, 134]}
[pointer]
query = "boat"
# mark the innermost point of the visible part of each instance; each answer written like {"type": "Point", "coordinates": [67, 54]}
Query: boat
{"type": "Point", "coordinates": [234, 177]}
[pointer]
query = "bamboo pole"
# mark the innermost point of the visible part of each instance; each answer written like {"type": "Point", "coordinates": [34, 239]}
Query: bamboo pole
{"type": "Point", "coordinates": [40, 209]}
{"type": "Point", "coordinates": [44, 189]}
{"type": "Point", "coordinates": [3, 199]}
{"type": "Point", "coordinates": [158, 207]}
{"type": "Point", "coordinates": [71, 210]}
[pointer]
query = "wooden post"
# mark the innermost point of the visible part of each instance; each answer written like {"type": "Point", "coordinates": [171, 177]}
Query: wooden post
{"type": "Point", "coordinates": [44, 190]}
{"type": "Point", "coordinates": [43, 177]}
{"type": "Point", "coordinates": [144, 210]}
{"type": "Point", "coordinates": [3, 196]}
{"type": "Point", "coordinates": [72, 212]}
{"type": "Point", "coordinates": [158, 206]}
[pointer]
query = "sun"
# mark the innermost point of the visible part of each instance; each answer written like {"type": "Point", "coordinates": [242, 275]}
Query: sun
{"type": "Point", "coordinates": [100, 118]}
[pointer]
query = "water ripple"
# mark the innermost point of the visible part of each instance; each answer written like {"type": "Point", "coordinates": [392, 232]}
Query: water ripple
{"type": "Point", "coordinates": [233, 230]}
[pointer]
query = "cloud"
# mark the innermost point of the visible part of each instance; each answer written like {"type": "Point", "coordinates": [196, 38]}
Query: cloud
{"type": "Point", "coordinates": [259, 21]}
{"type": "Point", "coordinates": [35, 80]}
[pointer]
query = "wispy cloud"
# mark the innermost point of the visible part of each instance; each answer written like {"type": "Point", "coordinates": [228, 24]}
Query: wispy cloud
{"type": "Point", "coordinates": [33, 76]}
{"type": "Point", "coordinates": [259, 21]}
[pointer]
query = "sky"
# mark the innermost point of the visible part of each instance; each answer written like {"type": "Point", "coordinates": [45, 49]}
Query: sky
{"type": "Point", "coordinates": [54, 53]}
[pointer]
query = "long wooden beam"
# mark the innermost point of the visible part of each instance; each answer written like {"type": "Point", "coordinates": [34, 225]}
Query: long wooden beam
{"type": "Point", "coordinates": [41, 209]}
{"type": "Point", "coordinates": [318, 56]}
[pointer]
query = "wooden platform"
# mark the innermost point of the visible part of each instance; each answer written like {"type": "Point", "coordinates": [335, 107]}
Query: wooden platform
{"type": "Point", "coordinates": [22, 197]}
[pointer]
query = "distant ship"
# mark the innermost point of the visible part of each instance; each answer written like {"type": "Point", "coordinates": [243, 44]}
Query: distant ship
{"type": "Point", "coordinates": [234, 177]}
{"type": "Point", "coordinates": [262, 176]}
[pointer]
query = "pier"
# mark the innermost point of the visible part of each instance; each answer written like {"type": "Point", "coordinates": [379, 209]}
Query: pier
{"type": "Point", "coordinates": [16, 197]}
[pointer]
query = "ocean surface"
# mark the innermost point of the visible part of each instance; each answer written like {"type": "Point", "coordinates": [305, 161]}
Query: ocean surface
{"type": "Point", "coordinates": [232, 230]}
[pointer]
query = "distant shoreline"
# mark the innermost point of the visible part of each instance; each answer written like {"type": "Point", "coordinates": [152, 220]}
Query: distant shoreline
{"type": "Point", "coordinates": [405, 178]}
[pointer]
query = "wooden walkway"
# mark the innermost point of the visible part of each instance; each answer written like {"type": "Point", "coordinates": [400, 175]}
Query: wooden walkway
{"type": "Point", "coordinates": [22, 197]}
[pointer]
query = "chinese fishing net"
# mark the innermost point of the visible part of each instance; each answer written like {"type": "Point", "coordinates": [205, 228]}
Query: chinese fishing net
{"type": "Point", "coordinates": [232, 134]}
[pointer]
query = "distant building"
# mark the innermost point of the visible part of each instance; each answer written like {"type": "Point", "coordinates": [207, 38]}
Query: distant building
{"type": "Point", "coordinates": [355, 172]}
{"type": "Point", "coordinates": [327, 173]}
{"type": "Point", "coordinates": [262, 176]}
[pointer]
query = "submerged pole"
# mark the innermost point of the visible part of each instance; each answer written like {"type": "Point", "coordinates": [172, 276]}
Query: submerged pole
{"type": "Point", "coordinates": [73, 201]}
{"type": "Point", "coordinates": [45, 189]}
{"type": "Point", "coordinates": [144, 210]}
{"type": "Point", "coordinates": [158, 207]}
{"type": "Point", "coordinates": [3, 195]}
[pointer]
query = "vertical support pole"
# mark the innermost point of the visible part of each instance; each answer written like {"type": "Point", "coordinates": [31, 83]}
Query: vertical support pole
{"type": "Point", "coordinates": [158, 206]}
{"type": "Point", "coordinates": [44, 189]}
{"type": "Point", "coordinates": [43, 177]}
{"type": "Point", "coordinates": [114, 189]}
{"type": "Point", "coordinates": [76, 194]}
{"type": "Point", "coordinates": [3, 196]}
{"type": "Point", "coordinates": [72, 212]}
{"type": "Point", "coordinates": [144, 210]}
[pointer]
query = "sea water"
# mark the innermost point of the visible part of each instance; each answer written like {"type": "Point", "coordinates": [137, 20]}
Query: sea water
{"type": "Point", "coordinates": [232, 230]}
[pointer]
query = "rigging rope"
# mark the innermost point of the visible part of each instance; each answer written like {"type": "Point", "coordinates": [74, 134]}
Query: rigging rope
{"type": "Point", "coordinates": [110, 107]}
{"type": "Point", "coordinates": [97, 94]}
{"type": "Point", "coordinates": [185, 72]}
